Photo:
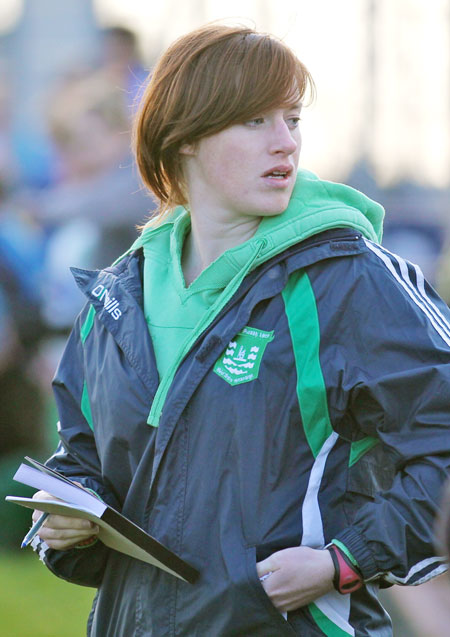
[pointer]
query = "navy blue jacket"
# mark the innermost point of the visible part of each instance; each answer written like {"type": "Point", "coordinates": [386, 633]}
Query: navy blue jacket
{"type": "Point", "coordinates": [340, 429]}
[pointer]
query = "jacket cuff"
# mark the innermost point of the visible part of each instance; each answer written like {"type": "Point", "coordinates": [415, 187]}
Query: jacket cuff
{"type": "Point", "coordinates": [360, 551]}
{"type": "Point", "coordinates": [345, 550]}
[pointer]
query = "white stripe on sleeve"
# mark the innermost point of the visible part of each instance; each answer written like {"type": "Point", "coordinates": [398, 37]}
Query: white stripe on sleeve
{"type": "Point", "coordinates": [430, 310]}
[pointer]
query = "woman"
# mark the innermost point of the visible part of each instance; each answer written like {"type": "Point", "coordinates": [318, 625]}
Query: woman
{"type": "Point", "coordinates": [257, 382]}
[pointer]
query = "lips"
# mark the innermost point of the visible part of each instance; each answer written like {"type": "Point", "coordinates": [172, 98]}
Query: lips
{"type": "Point", "coordinates": [278, 172]}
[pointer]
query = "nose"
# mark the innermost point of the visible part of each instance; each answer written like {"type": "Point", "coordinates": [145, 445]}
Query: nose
{"type": "Point", "coordinates": [284, 139]}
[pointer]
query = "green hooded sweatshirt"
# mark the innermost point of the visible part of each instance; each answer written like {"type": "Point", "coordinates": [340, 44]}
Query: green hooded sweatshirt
{"type": "Point", "coordinates": [177, 315]}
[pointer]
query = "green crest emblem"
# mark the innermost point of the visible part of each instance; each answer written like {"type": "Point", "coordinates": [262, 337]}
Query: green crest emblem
{"type": "Point", "coordinates": [241, 360]}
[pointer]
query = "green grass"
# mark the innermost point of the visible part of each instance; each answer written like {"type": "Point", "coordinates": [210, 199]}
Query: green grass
{"type": "Point", "coordinates": [35, 603]}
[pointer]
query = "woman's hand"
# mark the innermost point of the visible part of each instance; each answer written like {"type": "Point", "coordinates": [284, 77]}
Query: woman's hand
{"type": "Point", "coordinates": [61, 532]}
{"type": "Point", "coordinates": [297, 577]}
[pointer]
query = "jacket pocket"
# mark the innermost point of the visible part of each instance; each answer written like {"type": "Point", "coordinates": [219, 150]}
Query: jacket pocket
{"type": "Point", "coordinates": [299, 621]}
{"type": "Point", "coordinates": [260, 594]}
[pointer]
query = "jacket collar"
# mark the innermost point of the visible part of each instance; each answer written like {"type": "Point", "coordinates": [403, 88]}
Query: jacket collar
{"type": "Point", "coordinates": [116, 296]}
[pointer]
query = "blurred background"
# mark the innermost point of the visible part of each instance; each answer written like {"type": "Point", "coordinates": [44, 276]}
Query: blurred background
{"type": "Point", "coordinates": [71, 74]}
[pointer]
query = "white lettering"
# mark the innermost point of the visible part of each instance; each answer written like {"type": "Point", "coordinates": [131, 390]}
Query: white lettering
{"type": "Point", "coordinates": [111, 304]}
{"type": "Point", "coordinates": [116, 314]}
{"type": "Point", "coordinates": [98, 290]}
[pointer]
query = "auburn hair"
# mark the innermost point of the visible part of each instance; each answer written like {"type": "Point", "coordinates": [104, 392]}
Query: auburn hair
{"type": "Point", "coordinates": [207, 80]}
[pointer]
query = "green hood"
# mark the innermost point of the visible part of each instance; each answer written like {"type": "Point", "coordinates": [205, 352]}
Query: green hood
{"type": "Point", "coordinates": [318, 205]}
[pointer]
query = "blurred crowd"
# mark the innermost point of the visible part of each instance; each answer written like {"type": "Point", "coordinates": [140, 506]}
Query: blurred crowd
{"type": "Point", "coordinates": [80, 208]}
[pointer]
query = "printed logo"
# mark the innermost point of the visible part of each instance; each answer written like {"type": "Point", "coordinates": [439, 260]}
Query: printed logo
{"type": "Point", "coordinates": [241, 360]}
{"type": "Point", "coordinates": [110, 304]}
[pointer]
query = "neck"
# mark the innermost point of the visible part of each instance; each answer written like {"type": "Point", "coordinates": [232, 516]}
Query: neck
{"type": "Point", "coordinates": [210, 237]}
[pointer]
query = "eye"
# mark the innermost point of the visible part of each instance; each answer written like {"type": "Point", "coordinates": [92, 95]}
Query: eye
{"type": "Point", "coordinates": [293, 121]}
{"type": "Point", "coordinates": [256, 121]}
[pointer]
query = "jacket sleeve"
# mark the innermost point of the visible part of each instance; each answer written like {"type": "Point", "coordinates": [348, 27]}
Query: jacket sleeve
{"type": "Point", "coordinates": [395, 332]}
{"type": "Point", "coordinates": [76, 457]}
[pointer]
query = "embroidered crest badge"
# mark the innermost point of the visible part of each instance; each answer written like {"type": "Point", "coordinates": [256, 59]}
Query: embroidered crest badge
{"type": "Point", "coordinates": [241, 360]}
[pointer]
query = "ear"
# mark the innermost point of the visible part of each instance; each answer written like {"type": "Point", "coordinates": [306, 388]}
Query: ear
{"type": "Point", "coordinates": [187, 149]}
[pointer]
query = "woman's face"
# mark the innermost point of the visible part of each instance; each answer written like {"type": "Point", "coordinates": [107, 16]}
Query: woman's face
{"type": "Point", "coordinates": [247, 169]}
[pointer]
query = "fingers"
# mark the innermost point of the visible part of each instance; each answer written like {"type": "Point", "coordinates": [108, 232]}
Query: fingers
{"type": "Point", "coordinates": [265, 567]}
{"type": "Point", "coordinates": [62, 532]}
{"type": "Point", "coordinates": [64, 526]}
{"type": "Point", "coordinates": [299, 575]}
{"type": "Point", "coordinates": [58, 535]}
{"type": "Point", "coordinates": [61, 523]}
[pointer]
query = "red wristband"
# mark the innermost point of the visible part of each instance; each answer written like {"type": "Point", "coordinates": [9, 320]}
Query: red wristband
{"type": "Point", "coordinates": [347, 577]}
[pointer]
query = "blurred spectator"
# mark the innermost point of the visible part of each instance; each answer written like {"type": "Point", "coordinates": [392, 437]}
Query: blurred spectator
{"type": "Point", "coordinates": [443, 524]}
{"type": "Point", "coordinates": [49, 40]}
{"type": "Point", "coordinates": [425, 609]}
{"type": "Point", "coordinates": [22, 245]}
{"type": "Point", "coordinates": [8, 336]}
{"type": "Point", "coordinates": [443, 275]}
{"type": "Point", "coordinates": [20, 330]}
{"type": "Point", "coordinates": [8, 162]}
{"type": "Point", "coordinates": [416, 217]}
{"type": "Point", "coordinates": [98, 195]}
{"type": "Point", "coordinates": [420, 243]}
{"type": "Point", "coordinates": [122, 62]}
{"type": "Point", "coordinates": [21, 259]}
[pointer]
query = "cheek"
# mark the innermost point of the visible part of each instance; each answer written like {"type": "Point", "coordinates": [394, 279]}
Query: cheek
{"type": "Point", "coordinates": [298, 139]}
{"type": "Point", "coordinates": [228, 167]}
{"type": "Point", "coordinates": [215, 159]}
{"type": "Point", "coordinates": [228, 164]}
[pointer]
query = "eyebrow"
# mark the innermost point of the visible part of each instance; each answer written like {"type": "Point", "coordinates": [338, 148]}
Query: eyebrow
{"type": "Point", "coordinates": [294, 106]}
